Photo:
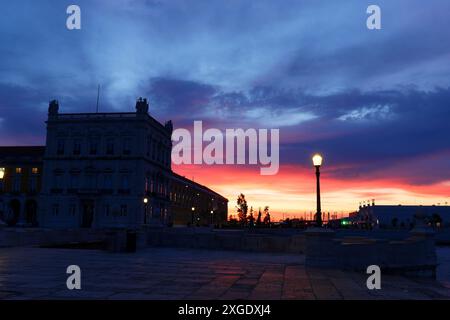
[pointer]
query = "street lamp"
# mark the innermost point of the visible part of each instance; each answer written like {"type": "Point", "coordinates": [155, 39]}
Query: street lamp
{"type": "Point", "coordinates": [212, 217]}
{"type": "Point", "coordinates": [2, 173]}
{"type": "Point", "coordinates": [317, 161]}
{"type": "Point", "coordinates": [192, 217]}
{"type": "Point", "coordinates": [145, 209]}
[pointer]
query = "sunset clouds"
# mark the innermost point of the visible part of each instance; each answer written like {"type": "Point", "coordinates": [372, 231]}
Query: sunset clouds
{"type": "Point", "coordinates": [376, 104]}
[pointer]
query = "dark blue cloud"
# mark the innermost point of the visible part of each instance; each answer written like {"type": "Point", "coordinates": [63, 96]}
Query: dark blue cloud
{"type": "Point", "coordinates": [367, 99]}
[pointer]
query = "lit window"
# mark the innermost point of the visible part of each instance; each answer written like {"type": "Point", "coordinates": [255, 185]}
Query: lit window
{"type": "Point", "coordinates": [18, 170]}
{"type": "Point", "coordinates": [35, 170]}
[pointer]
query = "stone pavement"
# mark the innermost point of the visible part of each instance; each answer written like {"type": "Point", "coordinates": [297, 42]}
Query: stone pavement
{"type": "Point", "coordinates": [165, 273]}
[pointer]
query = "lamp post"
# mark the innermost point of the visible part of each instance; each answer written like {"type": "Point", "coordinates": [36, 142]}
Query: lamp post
{"type": "Point", "coordinates": [145, 209]}
{"type": "Point", "coordinates": [212, 217]}
{"type": "Point", "coordinates": [317, 161]}
{"type": "Point", "coordinates": [192, 217]}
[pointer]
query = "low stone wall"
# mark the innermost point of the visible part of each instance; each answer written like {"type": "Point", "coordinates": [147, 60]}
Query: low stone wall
{"type": "Point", "coordinates": [415, 255]}
{"type": "Point", "coordinates": [225, 240]}
{"type": "Point", "coordinates": [17, 237]}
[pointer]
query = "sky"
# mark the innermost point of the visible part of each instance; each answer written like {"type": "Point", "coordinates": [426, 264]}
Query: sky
{"type": "Point", "coordinates": [374, 103]}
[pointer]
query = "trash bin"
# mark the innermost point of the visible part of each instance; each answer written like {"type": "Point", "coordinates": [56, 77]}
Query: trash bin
{"type": "Point", "coordinates": [131, 241]}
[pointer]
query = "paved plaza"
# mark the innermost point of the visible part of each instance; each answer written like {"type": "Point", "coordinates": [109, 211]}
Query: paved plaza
{"type": "Point", "coordinates": [164, 273]}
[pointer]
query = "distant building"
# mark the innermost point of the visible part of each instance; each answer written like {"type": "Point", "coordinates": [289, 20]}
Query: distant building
{"type": "Point", "coordinates": [400, 215]}
{"type": "Point", "coordinates": [20, 184]}
{"type": "Point", "coordinates": [108, 170]}
{"type": "Point", "coordinates": [203, 205]}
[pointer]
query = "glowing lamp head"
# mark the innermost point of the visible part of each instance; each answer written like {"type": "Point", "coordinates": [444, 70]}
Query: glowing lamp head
{"type": "Point", "coordinates": [193, 208]}
{"type": "Point", "coordinates": [317, 160]}
{"type": "Point", "coordinates": [2, 173]}
{"type": "Point", "coordinates": [146, 200]}
{"type": "Point", "coordinates": [212, 212]}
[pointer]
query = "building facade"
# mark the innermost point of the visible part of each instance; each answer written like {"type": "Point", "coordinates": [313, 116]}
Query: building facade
{"type": "Point", "coordinates": [195, 204]}
{"type": "Point", "coordinates": [402, 215]}
{"type": "Point", "coordinates": [20, 184]}
{"type": "Point", "coordinates": [113, 170]}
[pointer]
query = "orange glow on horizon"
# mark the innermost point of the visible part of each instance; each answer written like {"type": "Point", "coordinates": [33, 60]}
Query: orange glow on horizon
{"type": "Point", "coordinates": [291, 193]}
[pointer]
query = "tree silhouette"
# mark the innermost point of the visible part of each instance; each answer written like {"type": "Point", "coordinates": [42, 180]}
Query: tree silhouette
{"type": "Point", "coordinates": [266, 215]}
{"type": "Point", "coordinates": [258, 220]}
{"type": "Point", "coordinates": [242, 209]}
{"type": "Point", "coordinates": [251, 219]}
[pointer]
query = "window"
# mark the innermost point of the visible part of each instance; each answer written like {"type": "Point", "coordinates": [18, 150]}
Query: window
{"type": "Point", "coordinates": [153, 150]}
{"type": "Point", "coordinates": [60, 147]}
{"type": "Point", "coordinates": [149, 145]}
{"type": "Point", "coordinates": [126, 146]}
{"type": "Point", "coordinates": [55, 210]}
{"type": "Point", "coordinates": [57, 182]}
{"type": "Point", "coordinates": [18, 170]}
{"type": "Point", "coordinates": [107, 181]}
{"type": "Point", "coordinates": [91, 180]}
{"type": "Point", "coordinates": [16, 184]}
{"type": "Point", "coordinates": [106, 210]}
{"type": "Point", "coordinates": [123, 210]}
{"type": "Point", "coordinates": [76, 146]}
{"type": "Point", "coordinates": [72, 210]}
{"type": "Point", "coordinates": [34, 170]}
{"type": "Point", "coordinates": [93, 146]}
{"type": "Point", "coordinates": [33, 184]}
{"type": "Point", "coordinates": [74, 181]}
{"type": "Point", "coordinates": [110, 146]}
{"type": "Point", "coordinates": [125, 182]}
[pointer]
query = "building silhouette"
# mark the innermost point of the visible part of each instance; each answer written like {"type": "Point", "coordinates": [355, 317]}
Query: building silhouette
{"type": "Point", "coordinates": [111, 170]}
{"type": "Point", "coordinates": [20, 184]}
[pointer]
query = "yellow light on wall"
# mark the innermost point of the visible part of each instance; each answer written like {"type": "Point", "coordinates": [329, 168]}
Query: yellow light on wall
{"type": "Point", "coordinates": [18, 170]}
{"type": "Point", "coordinates": [193, 208]}
{"type": "Point", "coordinates": [2, 173]}
{"type": "Point", "coordinates": [35, 170]}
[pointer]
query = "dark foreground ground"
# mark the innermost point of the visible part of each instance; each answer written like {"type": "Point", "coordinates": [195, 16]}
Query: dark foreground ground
{"type": "Point", "coordinates": [164, 273]}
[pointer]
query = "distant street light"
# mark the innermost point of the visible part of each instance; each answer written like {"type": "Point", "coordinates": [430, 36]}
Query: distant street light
{"type": "Point", "coordinates": [2, 173]}
{"type": "Point", "coordinates": [317, 161]}
{"type": "Point", "coordinates": [212, 216]}
{"type": "Point", "coordinates": [145, 209]}
{"type": "Point", "coordinates": [192, 217]}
